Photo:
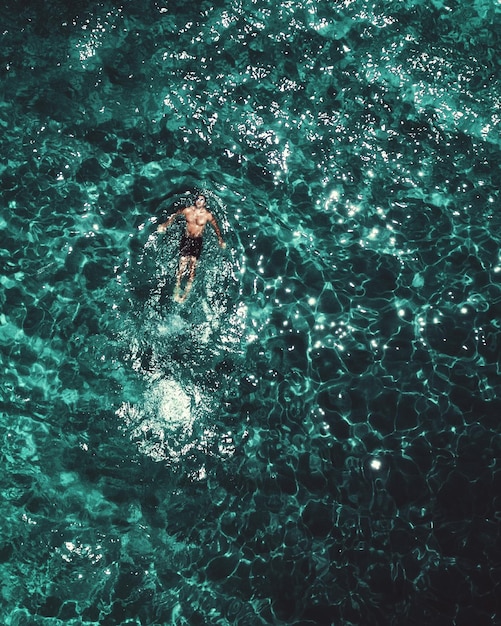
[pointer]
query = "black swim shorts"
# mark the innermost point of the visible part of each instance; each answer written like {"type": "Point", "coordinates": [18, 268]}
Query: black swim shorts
{"type": "Point", "coordinates": [190, 246]}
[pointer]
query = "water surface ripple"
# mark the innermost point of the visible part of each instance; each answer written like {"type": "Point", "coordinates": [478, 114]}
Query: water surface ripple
{"type": "Point", "coordinates": [313, 437]}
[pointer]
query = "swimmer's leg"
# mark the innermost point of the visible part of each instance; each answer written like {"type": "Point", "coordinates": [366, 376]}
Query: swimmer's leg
{"type": "Point", "coordinates": [178, 297]}
{"type": "Point", "coordinates": [183, 265]}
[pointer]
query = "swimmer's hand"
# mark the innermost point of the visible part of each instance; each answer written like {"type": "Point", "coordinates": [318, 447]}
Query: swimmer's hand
{"type": "Point", "coordinates": [161, 228]}
{"type": "Point", "coordinates": [222, 244]}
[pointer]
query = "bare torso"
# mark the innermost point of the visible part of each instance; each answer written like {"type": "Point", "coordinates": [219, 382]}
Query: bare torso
{"type": "Point", "coordinates": [196, 220]}
{"type": "Point", "coordinates": [197, 217]}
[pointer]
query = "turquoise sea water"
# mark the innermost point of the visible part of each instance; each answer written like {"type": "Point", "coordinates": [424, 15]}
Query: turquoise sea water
{"type": "Point", "coordinates": [313, 437]}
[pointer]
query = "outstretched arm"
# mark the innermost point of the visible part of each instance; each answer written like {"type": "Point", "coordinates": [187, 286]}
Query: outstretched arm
{"type": "Point", "coordinates": [218, 232]}
{"type": "Point", "coordinates": [161, 228]}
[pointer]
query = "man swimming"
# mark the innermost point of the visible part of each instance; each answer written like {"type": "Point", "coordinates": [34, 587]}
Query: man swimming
{"type": "Point", "coordinates": [197, 217]}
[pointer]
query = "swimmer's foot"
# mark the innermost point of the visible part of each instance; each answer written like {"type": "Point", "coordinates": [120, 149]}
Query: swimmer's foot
{"type": "Point", "coordinates": [178, 296]}
{"type": "Point", "coordinates": [181, 297]}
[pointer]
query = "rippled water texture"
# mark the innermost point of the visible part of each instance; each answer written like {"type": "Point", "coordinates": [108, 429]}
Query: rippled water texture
{"type": "Point", "coordinates": [313, 437]}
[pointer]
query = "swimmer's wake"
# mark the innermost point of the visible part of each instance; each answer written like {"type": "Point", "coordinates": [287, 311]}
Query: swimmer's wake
{"type": "Point", "coordinates": [173, 405]}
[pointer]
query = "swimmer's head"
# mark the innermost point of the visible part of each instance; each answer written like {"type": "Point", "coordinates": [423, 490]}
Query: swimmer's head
{"type": "Point", "coordinates": [200, 200]}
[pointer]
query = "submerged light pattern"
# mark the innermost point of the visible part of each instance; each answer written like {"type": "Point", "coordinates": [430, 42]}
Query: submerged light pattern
{"type": "Point", "coordinates": [313, 438]}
